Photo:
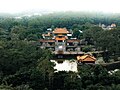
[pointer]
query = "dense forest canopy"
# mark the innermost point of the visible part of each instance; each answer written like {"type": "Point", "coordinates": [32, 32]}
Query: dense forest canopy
{"type": "Point", "coordinates": [24, 66]}
{"type": "Point", "coordinates": [61, 19]}
{"type": "Point", "coordinates": [35, 25]}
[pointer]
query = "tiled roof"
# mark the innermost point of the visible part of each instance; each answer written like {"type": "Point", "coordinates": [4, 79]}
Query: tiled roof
{"type": "Point", "coordinates": [60, 30]}
{"type": "Point", "coordinates": [73, 40]}
{"type": "Point", "coordinates": [57, 38]}
{"type": "Point", "coordinates": [50, 40]}
{"type": "Point", "coordinates": [48, 34]}
{"type": "Point", "coordinates": [86, 56]}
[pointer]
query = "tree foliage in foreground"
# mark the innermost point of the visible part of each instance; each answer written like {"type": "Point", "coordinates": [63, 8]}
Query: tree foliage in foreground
{"type": "Point", "coordinates": [24, 66]}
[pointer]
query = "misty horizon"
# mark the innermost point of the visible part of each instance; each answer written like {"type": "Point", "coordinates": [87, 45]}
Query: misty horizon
{"type": "Point", "coordinates": [20, 6]}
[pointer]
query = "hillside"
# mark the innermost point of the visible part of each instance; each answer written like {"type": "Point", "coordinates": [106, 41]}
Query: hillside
{"type": "Point", "coordinates": [25, 66]}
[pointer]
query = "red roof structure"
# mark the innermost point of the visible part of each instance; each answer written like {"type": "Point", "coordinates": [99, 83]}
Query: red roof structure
{"type": "Point", "coordinates": [86, 58]}
{"type": "Point", "coordinates": [60, 30]}
{"type": "Point", "coordinates": [50, 40]}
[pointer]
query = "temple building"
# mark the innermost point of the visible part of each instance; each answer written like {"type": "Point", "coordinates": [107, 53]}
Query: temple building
{"type": "Point", "coordinates": [108, 27]}
{"type": "Point", "coordinates": [86, 59]}
{"type": "Point", "coordinates": [60, 41]}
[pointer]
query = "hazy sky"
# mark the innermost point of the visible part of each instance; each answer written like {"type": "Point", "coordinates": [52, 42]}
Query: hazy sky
{"type": "Point", "coordinates": [16, 6]}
